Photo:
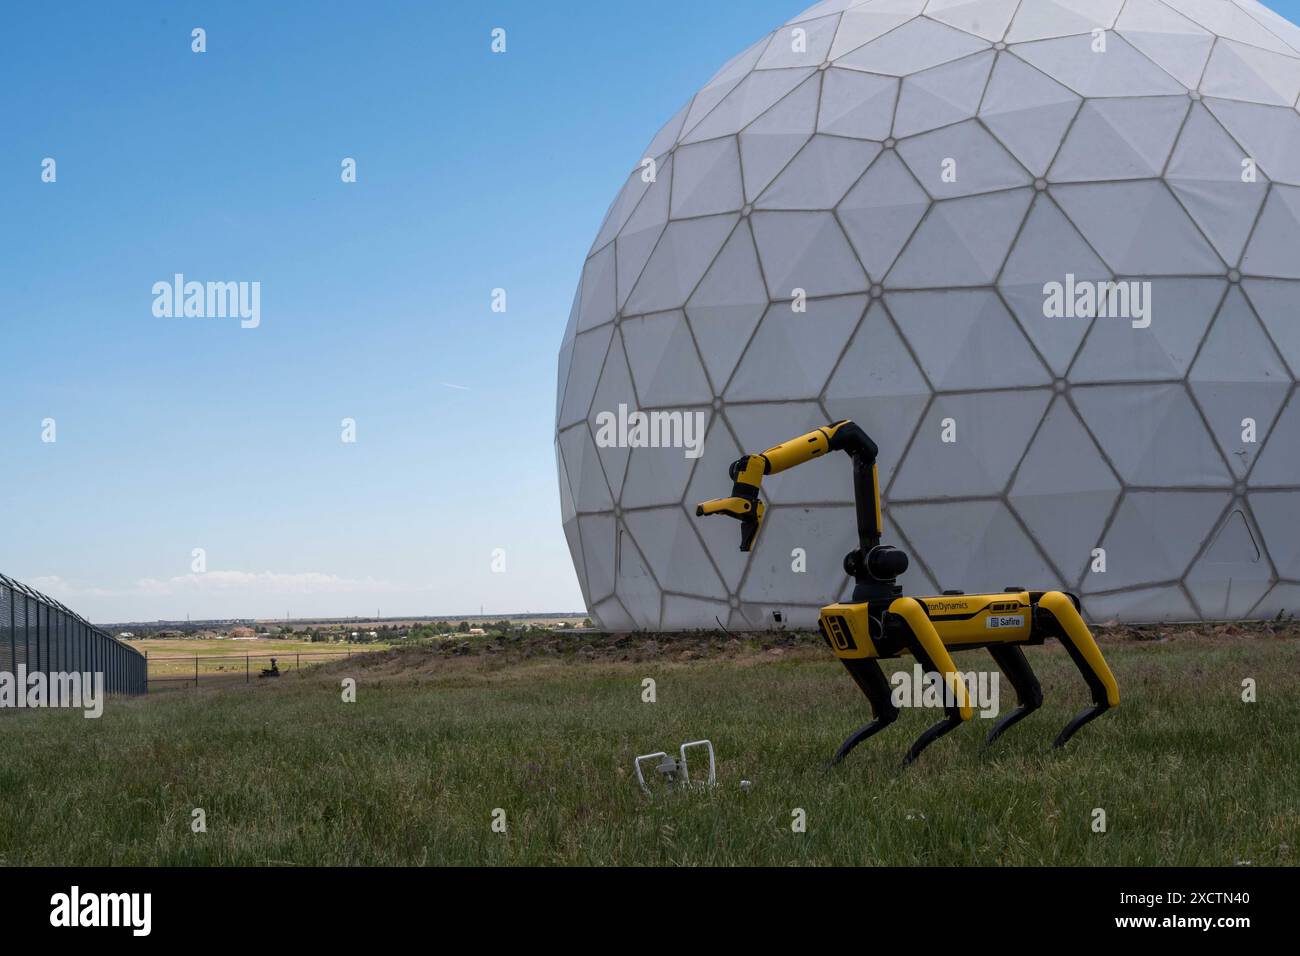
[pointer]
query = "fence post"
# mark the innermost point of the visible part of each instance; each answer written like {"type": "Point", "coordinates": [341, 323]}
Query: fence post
{"type": "Point", "coordinates": [196, 671]}
{"type": "Point", "coordinates": [246, 672]}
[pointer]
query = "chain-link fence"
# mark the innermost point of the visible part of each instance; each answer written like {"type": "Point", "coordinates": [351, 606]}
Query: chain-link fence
{"type": "Point", "coordinates": [188, 670]}
{"type": "Point", "coordinates": [42, 634]}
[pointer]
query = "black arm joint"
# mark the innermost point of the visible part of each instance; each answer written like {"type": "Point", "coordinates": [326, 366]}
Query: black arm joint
{"type": "Point", "coordinates": [849, 437]}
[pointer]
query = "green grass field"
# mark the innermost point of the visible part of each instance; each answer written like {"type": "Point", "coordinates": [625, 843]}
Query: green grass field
{"type": "Point", "coordinates": [172, 659]}
{"type": "Point", "coordinates": [411, 773]}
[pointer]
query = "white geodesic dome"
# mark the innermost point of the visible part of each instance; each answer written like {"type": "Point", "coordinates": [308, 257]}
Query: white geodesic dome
{"type": "Point", "coordinates": [925, 172]}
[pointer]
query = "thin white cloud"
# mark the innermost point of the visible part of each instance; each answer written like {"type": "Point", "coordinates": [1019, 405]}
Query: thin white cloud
{"type": "Point", "coordinates": [220, 582]}
{"type": "Point", "coordinates": [58, 587]}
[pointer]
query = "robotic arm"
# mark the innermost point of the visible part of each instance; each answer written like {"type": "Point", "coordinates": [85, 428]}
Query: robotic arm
{"type": "Point", "coordinates": [747, 476]}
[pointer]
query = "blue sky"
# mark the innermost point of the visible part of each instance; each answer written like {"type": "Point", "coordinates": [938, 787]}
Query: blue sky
{"type": "Point", "coordinates": [475, 171]}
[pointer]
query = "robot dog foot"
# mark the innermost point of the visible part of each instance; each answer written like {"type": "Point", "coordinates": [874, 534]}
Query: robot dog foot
{"type": "Point", "coordinates": [930, 736]}
{"type": "Point", "coordinates": [1083, 717]}
{"type": "Point", "coordinates": [1017, 715]}
{"type": "Point", "coordinates": [861, 734]}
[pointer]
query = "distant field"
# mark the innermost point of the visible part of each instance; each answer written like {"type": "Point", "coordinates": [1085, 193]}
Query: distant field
{"type": "Point", "coordinates": [175, 657]}
{"type": "Point", "coordinates": [474, 620]}
{"type": "Point", "coordinates": [412, 772]}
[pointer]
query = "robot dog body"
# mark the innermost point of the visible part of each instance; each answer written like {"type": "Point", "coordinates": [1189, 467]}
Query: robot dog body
{"type": "Point", "coordinates": [880, 623]}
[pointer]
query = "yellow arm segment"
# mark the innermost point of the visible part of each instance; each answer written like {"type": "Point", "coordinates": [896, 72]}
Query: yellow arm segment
{"type": "Point", "coordinates": [796, 451]}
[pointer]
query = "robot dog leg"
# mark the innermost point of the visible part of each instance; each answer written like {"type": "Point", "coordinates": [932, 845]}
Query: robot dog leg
{"type": "Point", "coordinates": [1055, 615]}
{"type": "Point", "coordinates": [1061, 619]}
{"type": "Point", "coordinates": [909, 628]}
{"type": "Point", "coordinates": [1029, 695]}
{"type": "Point", "coordinates": [926, 646]}
{"type": "Point", "coordinates": [874, 685]}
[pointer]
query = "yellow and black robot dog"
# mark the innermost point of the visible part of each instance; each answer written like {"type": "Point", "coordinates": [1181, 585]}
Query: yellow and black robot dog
{"type": "Point", "coordinates": [881, 623]}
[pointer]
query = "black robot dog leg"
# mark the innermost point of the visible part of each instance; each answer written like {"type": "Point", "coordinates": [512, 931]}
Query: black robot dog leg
{"type": "Point", "coordinates": [1029, 695]}
{"type": "Point", "coordinates": [868, 675]}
